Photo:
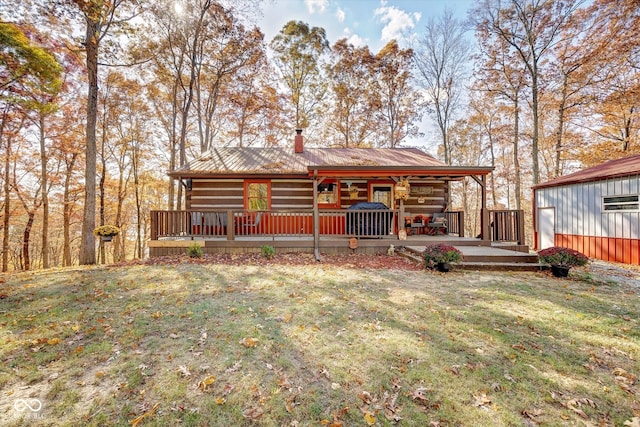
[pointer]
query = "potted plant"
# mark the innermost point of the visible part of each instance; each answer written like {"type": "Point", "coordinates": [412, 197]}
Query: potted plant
{"type": "Point", "coordinates": [561, 259]}
{"type": "Point", "coordinates": [106, 232]}
{"type": "Point", "coordinates": [441, 256]}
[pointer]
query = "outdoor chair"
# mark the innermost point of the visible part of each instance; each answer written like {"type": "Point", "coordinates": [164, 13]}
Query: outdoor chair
{"type": "Point", "coordinates": [437, 224]}
{"type": "Point", "coordinates": [248, 224]}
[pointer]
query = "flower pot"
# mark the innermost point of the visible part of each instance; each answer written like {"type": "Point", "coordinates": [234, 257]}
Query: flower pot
{"type": "Point", "coordinates": [560, 270]}
{"type": "Point", "coordinates": [106, 238]}
{"type": "Point", "coordinates": [444, 267]}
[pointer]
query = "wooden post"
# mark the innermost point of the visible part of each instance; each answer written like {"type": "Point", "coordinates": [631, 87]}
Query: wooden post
{"type": "Point", "coordinates": [520, 225]}
{"type": "Point", "coordinates": [484, 218]}
{"type": "Point", "coordinates": [401, 216]}
{"type": "Point", "coordinates": [316, 218]}
{"type": "Point", "coordinates": [230, 225]}
{"type": "Point", "coordinates": [484, 213]}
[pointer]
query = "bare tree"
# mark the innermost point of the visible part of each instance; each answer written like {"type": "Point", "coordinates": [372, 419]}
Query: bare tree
{"type": "Point", "coordinates": [531, 28]}
{"type": "Point", "coordinates": [440, 57]}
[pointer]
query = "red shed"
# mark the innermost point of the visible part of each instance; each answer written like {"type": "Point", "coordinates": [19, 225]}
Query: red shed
{"type": "Point", "coordinates": [595, 211]}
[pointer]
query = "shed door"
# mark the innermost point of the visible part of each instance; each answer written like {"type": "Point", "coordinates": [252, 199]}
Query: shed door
{"type": "Point", "coordinates": [546, 227]}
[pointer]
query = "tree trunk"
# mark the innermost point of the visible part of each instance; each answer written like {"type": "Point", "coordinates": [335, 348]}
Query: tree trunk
{"type": "Point", "coordinates": [45, 195]}
{"type": "Point", "coordinates": [136, 186]}
{"type": "Point", "coordinates": [536, 125]}
{"type": "Point", "coordinates": [88, 242]}
{"type": "Point", "coordinates": [66, 213]}
{"type": "Point", "coordinates": [516, 160]}
{"type": "Point", "coordinates": [7, 199]}
{"type": "Point", "coordinates": [101, 186]}
{"type": "Point", "coordinates": [494, 197]}
{"type": "Point", "coordinates": [26, 236]}
{"type": "Point", "coordinates": [560, 131]}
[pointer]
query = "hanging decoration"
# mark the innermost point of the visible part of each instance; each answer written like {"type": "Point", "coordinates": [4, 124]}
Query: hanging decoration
{"type": "Point", "coordinates": [353, 191]}
{"type": "Point", "coordinates": [402, 189]}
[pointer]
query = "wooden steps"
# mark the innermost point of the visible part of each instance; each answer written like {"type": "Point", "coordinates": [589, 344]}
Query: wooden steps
{"type": "Point", "coordinates": [485, 258]}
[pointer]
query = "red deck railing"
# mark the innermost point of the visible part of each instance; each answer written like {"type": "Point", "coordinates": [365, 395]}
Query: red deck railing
{"type": "Point", "coordinates": [238, 223]}
{"type": "Point", "coordinates": [506, 225]}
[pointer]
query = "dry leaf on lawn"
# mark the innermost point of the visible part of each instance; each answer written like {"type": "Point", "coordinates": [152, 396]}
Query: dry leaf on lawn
{"type": "Point", "coordinates": [420, 394]}
{"type": "Point", "coordinates": [249, 342]}
{"type": "Point", "coordinates": [184, 371]}
{"type": "Point", "coordinates": [575, 404]}
{"type": "Point", "coordinates": [206, 382]}
{"type": "Point", "coordinates": [284, 382]}
{"type": "Point", "coordinates": [369, 418]}
{"type": "Point", "coordinates": [481, 400]}
{"type": "Point", "coordinates": [147, 414]}
{"type": "Point", "coordinates": [633, 422]}
{"type": "Point", "coordinates": [253, 413]}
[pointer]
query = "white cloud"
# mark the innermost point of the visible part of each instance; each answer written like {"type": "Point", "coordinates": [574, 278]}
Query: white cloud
{"type": "Point", "coordinates": [318, 6]}
{"type": "Point", "coordinates": [396, 21]}
{"type": "Point", "coordinates": [353, 39]}
{"type": "Point", "coordinates": [340, 15]}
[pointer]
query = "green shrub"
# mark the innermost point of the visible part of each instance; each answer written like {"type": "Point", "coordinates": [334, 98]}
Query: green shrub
{"type": "Point", "coordinates": [268, 251]}
{"type": "Point", "coordinates": [435, 254]}
{"type": "Point", "coordinates": [195, 251]}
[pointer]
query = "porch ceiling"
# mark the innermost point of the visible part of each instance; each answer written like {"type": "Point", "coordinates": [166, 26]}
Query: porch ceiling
{"type": "Point", "coordinates": [449, 173]}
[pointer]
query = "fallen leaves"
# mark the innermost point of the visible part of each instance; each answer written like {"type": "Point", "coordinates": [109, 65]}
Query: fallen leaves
{"type": "Point", "coordinates": [481, 400]}
{"type": "Point", "coordinates": [576, 404]}
{"type": "Point", "coordinates": [183, 370]}
{"type": "Point", "coordinates": [633, 422]}
{"type": "Point", "coordinates": [373, 404]}
{"type": "Point", "coordinates": [206, 382]}
{"type": "Point", "coordinates": [249, 342]}
{"type": "Point", "coordinates": [532, 414]}
{"type": "Point", "coordinates": [150, 413]}
{"type": "Point", "coordinates": [382, 261]}
{"type": "Point", "coordinates": [338, 417]}
{"type": "Point", "coordinates": [625, 380]}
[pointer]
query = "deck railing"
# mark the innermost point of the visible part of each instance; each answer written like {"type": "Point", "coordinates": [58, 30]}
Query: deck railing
{"type": "Point", "coordinates": [230, 224]}
{"type": "Point", "coordinates": [455, 223]}
{"type": "Point", "coordinates": [507, 226]}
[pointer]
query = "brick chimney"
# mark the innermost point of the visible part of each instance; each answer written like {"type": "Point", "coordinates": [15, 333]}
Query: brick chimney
{"type": "Point", "coordinates": [298, 146]}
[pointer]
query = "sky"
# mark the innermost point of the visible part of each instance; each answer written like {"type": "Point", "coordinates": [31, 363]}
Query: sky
{"type": "Point", "coordinates": [363, 22]}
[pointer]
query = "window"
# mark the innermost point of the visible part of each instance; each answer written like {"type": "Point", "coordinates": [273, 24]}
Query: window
{"type": "Point", "coordinates": [329, 194]}
{"type": "Point", "coordinates": [257, 195]}
{"type": "Point", "coordinates": [621, 203]}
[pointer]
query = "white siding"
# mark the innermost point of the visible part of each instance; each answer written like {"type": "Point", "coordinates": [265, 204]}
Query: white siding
{"type": "Point", "coordinates": [579, 208]}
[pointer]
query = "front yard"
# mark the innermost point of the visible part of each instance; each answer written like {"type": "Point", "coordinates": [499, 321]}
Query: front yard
{"type": "Point", "coordinates": [290, 342]}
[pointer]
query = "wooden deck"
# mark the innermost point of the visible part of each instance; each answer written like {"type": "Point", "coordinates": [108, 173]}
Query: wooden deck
{"type": "Point", "coordinates": [493, 257]}
{"type": "Point", "coordinates": [334, 231]}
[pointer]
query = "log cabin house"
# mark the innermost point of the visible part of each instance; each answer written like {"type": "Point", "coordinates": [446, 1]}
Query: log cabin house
{"type": "Point", "coordinates": [315, 200]}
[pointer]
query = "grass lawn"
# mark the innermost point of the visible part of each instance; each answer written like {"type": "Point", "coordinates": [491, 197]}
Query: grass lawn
{"type": "Point", "coordinates": [290, 342]}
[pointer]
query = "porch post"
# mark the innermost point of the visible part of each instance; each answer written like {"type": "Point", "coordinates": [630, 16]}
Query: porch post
{"type": "Point", "coordinates": [484, 215]}
{"type": "Point", "coordinates": [316, 218]}
{"type": "Point", "coordinates": [401, 216]}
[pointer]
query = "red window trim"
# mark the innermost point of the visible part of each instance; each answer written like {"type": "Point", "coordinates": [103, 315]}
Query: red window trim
{"type": "Point", "coordinates": [335, 205]}
{"type": "Point", "coordinates": [247, 182]}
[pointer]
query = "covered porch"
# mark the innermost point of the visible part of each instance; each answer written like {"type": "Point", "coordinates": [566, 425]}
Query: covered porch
{"type": "Point", "coordinates": [322, 231]}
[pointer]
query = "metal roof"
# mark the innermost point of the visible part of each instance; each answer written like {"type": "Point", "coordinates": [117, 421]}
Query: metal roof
{"type": "Point", "coordinates": [612, 169]}
{"type": "Point", "coordinates": [264, 161]}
